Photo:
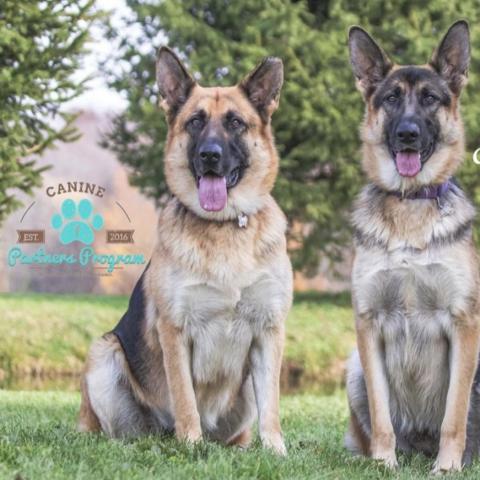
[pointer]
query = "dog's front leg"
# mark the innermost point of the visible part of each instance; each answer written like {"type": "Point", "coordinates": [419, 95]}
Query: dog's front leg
{"type": "Point", "coordinates": [266, 363]}
{"type": "Point", "coordinates": [176, 359]}
{"type": "Point", "coordinates": [463, 363]}
{"type": "Point", "coordinates": [382, 446]}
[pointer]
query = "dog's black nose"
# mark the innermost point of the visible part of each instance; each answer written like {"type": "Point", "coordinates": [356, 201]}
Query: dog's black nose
{"type": "Point", "coordinates": [408, 131]}
{"type": "Point", "coordinates": [210, 152]}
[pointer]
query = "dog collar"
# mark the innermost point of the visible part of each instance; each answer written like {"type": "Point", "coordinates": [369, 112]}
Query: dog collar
{"type": "Point", "coordinates": [241, 220]}
{"type": "Point", "coordinates": [429, 192]}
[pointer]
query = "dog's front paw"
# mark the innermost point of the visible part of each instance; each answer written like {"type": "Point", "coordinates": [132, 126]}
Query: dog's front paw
{"type": "Point", "coordinates": [188, 434]}
{"type": "Point", "coordinates": [190, 437]}
{"type": "Point", "coordinates": [449, 458]}
{"type": "Point", "coordinates": [274, 442]}
{"type": "Point", "coordinates": [387, 457]}
{"type": "Point", "coordinates": [446, 462]}
{"type": "Point", "coordinates": [383, 449]}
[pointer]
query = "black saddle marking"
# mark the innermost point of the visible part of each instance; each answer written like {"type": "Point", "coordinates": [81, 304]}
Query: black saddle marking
{"type": "Point", "coordinates": [129, 329]}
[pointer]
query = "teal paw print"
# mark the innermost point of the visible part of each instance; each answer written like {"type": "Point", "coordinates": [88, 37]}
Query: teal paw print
{"type": "Point", "coordinates": [76, 223]}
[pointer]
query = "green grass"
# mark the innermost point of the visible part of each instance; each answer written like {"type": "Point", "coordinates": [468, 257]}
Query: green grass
{"type": "Point", "coordinates": [49, 336]}
{"type": "Point", "coordinates": [38, 440]}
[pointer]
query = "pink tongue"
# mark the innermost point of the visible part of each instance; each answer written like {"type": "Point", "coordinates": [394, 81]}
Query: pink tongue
{"type": "Point", "coordinates": [212, 193]}
{"type": "Point", "coordinates": [408, 163]}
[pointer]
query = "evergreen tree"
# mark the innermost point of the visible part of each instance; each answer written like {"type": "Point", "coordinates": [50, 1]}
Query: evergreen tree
{"type": "Point", "coordinates": [320, 111]}
{"type": "Point", "coordinates": [41, 43]}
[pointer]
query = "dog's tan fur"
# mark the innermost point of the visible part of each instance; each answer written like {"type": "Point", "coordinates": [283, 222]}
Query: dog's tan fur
{"type": "Point", "coordinates": [415, 287]}
{"type": "Point", "coordinates": [217, 296]}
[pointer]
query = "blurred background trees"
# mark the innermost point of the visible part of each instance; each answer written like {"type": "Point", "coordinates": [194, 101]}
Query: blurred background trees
{"type": "Point", "coordinates": [41, 44]}
{"type": "Point", "coordinates": [317, 124]}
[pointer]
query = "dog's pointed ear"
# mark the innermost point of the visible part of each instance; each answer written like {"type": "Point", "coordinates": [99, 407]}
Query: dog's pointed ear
{"type": "Point", "coordinates": [452, 57]}
{"type": "Point", "coordinates": [174, 81]}
{"type": "Point", "coordinates": [262, 86]}
{"type": "Point", "coordinates": [370, 64]}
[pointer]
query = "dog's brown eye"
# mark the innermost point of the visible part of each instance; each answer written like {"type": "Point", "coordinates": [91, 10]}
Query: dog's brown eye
{"type": "Point", "coordinates": [235, 123]}
{"type": "Point", "coordinates": [196, 122]}
{"type": "Point", "coordinates": [392, 98]}
{"type": "Point", "coordinates": [429, 99]}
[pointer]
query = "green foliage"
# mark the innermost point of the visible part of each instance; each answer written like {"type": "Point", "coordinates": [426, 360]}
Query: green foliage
{"type": "Point", "coordinates": [317, 124]}
{"type": "Point", "coordinates": [41, 43]}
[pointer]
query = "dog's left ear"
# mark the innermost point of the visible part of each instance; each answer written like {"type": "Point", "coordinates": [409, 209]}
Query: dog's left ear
{"type": "Point", "coordinates": [452, 57]}
{"type": "Point", "coordinates": [262, 86]}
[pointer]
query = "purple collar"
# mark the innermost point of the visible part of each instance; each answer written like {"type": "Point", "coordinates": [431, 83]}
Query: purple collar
{"type": "Point", "coordinates": [429, 192]}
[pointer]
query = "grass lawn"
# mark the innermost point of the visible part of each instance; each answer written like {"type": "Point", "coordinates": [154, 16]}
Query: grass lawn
{"type": "Point", "coordinates": [38, 441]}
{"type": "Point", "coordinates": [49, 336]}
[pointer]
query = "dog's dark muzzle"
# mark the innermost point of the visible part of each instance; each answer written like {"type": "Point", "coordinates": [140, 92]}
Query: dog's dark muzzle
{"type": "Point", "coordinates": [406, 136]}
{"type": "Point", "coordinates": [212, 159]}
{"type": "Point", "coordinates": [410, 135]}
{"type": "Point", "coordinates": [210, 156]}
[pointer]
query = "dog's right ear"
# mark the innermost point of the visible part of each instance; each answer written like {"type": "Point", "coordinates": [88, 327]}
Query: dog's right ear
{"type": "Point", "coordinates": [370, 63]}
{"type": "Point", "coordinates": [174, 81]}
{"type": "Point", "coordinates": [452, 57]}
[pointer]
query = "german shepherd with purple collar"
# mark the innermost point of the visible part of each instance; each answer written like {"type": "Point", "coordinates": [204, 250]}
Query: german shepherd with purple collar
{"type": "Point", "coordinates": [199, 350]}
{"type": "Point", "coordinates": [415, 280]}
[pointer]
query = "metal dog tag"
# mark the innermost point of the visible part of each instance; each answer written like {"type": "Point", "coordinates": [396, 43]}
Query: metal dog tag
{"type": "Point", "coordinates": [242, 220]}
{"type": "Point", "coordinates": [445, 207]}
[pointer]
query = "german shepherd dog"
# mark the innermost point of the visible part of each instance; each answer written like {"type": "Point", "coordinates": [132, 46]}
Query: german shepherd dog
{"type": "Point", "coordinates": [415, 280]}
{"type": "Point", "coordinates": [200, 348]}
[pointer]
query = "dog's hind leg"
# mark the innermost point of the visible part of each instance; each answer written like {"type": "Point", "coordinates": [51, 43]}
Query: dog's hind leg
{"type": "Point", "coordinates": [235, 428]}
{"type": "Point", "coordinates": [243, 439]}
{"type": "Point", "coordinates": [87, 419]}
{"type": "Point", "coordinates": [107, 394]}
{"type": "Point", "coordinates": [357, 438]}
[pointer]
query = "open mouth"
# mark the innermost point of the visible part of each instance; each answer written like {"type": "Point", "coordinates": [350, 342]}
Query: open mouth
{"type": "Point", "coordinates": [212, 189]}
{"type": "Point", "coordinates": [409, 162]}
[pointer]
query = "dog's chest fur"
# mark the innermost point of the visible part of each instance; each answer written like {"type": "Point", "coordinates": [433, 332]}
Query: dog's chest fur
{"type": "Point", "coordinates": [413, 277]}
{"type": "Point", "coordinates": [221, 324]}
{"type": "Point", "coordinates": [222, 289]}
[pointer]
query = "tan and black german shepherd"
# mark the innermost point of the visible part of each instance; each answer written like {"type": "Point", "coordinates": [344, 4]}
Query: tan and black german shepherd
{"type": "Point", "coordinates": [200, 348]}
{"type": "Point", "coordinates": [415, 279]}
